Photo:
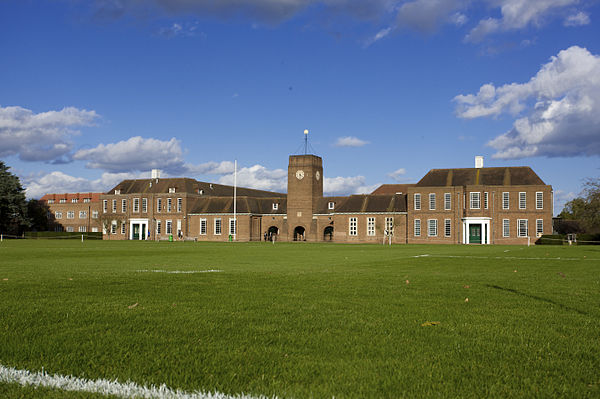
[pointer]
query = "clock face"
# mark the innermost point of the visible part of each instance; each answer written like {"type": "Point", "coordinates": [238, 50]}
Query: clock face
{"type": "Point", "coordinates": [317, 175]}
{"type": "Point", "coordinates": [300, 174]}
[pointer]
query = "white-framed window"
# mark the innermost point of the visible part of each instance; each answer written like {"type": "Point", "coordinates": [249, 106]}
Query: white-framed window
{"type": "Point", "coordinates": [158, 226]}
{"type": "Point", "coordinates": [432, 227]}
{"type": "Point", "coordinates": [171, 190]}
{"type": "Point", "coordinates": [159, 205]}
{"type": "Point", "coordinates": [94, 229]}
{"type": "Point", "coordinates": [217, 226]}
{"type": "Point", "coordinates": [432, 201]}
{"type": "Point", "coordinates": [275, 206]}
{"type": "Point", "coordinates": [57, 215]}
{"type": "Point", "coordinates": [123, 206]}
{"type": "Point", "coordinates": [539, 200]}
{"type": "Point", "coordinates": [94, 214]}
{"type": "Point", "coordinates": [169, 204]}
{"type": "Point", "coordinates": [486, 198]}
{"type": "Point", "coordinates": [370, 226]}
{"type": "Point", "coordinates": [63, 201]}
{"type": "Point", "coordinates": [123, 228]}
{"type": "Point", "coordinates": [475, 200]}
{"type": "Point", "coordinates": [144, 205]}
{"type": "Point", "coordinates": [522, 228]}
{"type": "Point", "coordinates": [169, 227]}
{"type": "Point", "coordinates": [522, 200]}
{"type": "Point", "coordinates": [117, 192]}
{"type": "Point", "coordinates": [202, 227]}
{"type": "Point", "coordinates": [82, 214]}
{"type": "Point", "coordinates": [136, 205]}
{"type": "Point", "coordinates": [447, 227]}
{"type": "Point", "coordinates": [389, 225]}
{"type": "Point", "coordinates": [353, 226]}
{"type": "Point", "coordinates": [417, 200]}
{"type": "Point", "coordinates": [539, 226]}
{"type": "Point", "coordinates": [179, 204]}
{"type": "Point", "coordinates": [70, 214]}
{"type": "Point", "coordinates": [70, 229]}
{"type": "Point", "coordinates": [114, 206]}
{"type": "Point", "coordinates": [417, 227]}
{"type": "Point", "coordinates": [74, 200]}
{"type": "Point", "coordinates": [113, 227]}
{"type": "Point", "coordinates": [104, 206]}
{"type": "Point", "coordinates": [51, 201]}
{"type": "Point", "coordinates": [87, 200]}
{"type": "Point", "coordinates": [232, 226]}
{"type": "Point", "coordinates": [505, 200]}
{"type": "Point", "coordinates": [505, 228]}
{"type": "Point", "coordinates": [331, 205]}
{"type": "Point", "coordinates": [447, 201]}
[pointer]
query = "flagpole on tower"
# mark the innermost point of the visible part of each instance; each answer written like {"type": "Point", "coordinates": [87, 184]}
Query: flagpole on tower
{"type": "Point", "coordinates": [235, 200]}
{"type": "Point", "coordinates": [305, 141]}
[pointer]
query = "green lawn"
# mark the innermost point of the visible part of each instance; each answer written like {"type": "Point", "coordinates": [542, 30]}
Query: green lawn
{"type": "Point", "coordinates": [305, 320]}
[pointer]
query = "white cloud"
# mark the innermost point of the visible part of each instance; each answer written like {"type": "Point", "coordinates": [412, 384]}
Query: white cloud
{"type": "Point", "coordinates": [561, 197]}
{"type": "Point", "coordinates": [58, 182]}
{"type": "Point", "coordinates": [562, 120]}
{"type": "Point", "coordinates": [517, 14]}
{"type": "Point", "coordinates": [349, 141]}
{"type": "Point", "coordinates": [181, 29]}
{"type": "Point", "coordinates": [398, 174]}
{"type": "Point", "coordinates": [258, 177]}
{"type": "Point", "coordinates": [347, 185]}
{"type": "Point", "coordinates": [41, 137]}
{"type": "Point", "coordinates": [578, 19]}
{"type": "Point", "coordinates": [428, 15]}
{"type": "Point", "coordinates": [378, 36]}
{"type": "Point", "coordinates": [209, 168]}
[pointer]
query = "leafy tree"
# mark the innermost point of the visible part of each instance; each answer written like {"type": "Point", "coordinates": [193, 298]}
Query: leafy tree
{"type": "Point", "coordinates": [585, 210]}
{"type": "Point", "coordinates": [38, 213]}
{"type": "Point", "coordinates": [13, 206]}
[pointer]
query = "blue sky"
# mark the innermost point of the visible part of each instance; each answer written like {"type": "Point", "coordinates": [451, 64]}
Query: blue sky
{"type": "Point", "coordinates": [92, 92]}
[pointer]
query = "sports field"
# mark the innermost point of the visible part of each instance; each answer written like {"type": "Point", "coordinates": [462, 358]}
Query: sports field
{"type": "Point", "coordinates": [302, 320]}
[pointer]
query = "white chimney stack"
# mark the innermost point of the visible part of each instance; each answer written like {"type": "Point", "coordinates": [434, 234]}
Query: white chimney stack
{"type": "Point", "coordinates": [155, 173]}
{"type": "Point", "coordinates": [479, 161]}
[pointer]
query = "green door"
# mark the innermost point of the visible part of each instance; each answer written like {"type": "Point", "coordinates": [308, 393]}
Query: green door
{"type": "Point", "coordinates": [143, 232]}
{"type": "Point", "coordinates": [474, 234]}
{"type": "Point", "coordinates": [136, 231]}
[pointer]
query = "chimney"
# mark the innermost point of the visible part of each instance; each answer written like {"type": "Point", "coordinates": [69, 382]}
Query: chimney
{"type": "Point", "coordinates": [479, 161]}
{"type": "Point", "coordinates": [155, 173]}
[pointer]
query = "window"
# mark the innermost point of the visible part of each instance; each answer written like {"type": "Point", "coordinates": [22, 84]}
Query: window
{"type": "Point", "coordinates": [82, 214]}
{"type": "Point", "coordinates": [505, 228]}
{"type": "Point", "coordinates": [447, 201]}
{"type": "Point", "coordinates": [114, 206]}
{"type": "Point", "coordinates": [94, 214]}
{"type": "Point", "coordinates": [74, 200]}
{"type": "Point", "coordinates": [104, 206]}
{"type": "Point", "coordinates": [389, 225]}
{"type": "Point", "coordinates": [171, 190]}
{"type": "Point", "coordinates": [113, 227]}
{"type": "Point", "coordinates": [485, 200]}
{"type": "Point", "coordinates": [179, 204]}
{"type": "Point", "coordinates": [203, 227]}
{"type": "Point", "coordinates": [136, 205]}
{"type": "Point", "coordinates": [417, 227]}
{"type": "Point", "coordinates": [51, 201]}
{"type": "Point", "coordinates": [275, 206]}
{"type": "Point", "coordinates": [87, 200]}
{"type": "Point", "coordinates": [539, 200]}
{"type": "Point", "coordinates": [144, 205]}
{"type": "Point", "coordinates": [370, 226]}
{"type": "Point", "coordinates": [522, 227]}
{"type": "Point", "coordinates": [232, 227]}
{"type": "Point", "coordinates": [447, 227]}
{"type": "Point", "coordinates": [158, 226]}
{"type": "Point", "coordinates": [158, 204]}
{"type": "Point", "coordinates": [539, 226]}
{"type": "Point", "coordinates": [522, 200]}
{"type": "Point", "coordinates": [475, 200]}
{"type": "Point", "coordinates": [63, 201]}
{"type": "Point", "coordinates": [94, 229]}
{"type": "Point", "coordinates": [123, 227]}
{"type": "Point", "coordinates": [169, 228]}
{"type": "Point", "coordinates": [71, 215]}
{"type": "Point", "coordinates": [353, 224]}
{"type": "Point", "coordinates": [218, 226]}
{"type": "Point", "coordinates": [432, 201]}
{"type": "Point", "coordinates": [331, 205]}
{"type": "Point", "coordinates": [169, 204]}
{"type": "Point", "coordinates": [505, 200]}
{"type": "Point", "coordinates": [117, 192]}
{"type": "Point", "coordinates": [58, 215]}
{"type": "Point", "coordinates": [124, 206]}
{"type": "Point", "coordinates": [417, 202]}
{"type": "Point", "coordinates": [432, 227]}
{"type": "Point", "coordinates": [70, 229]}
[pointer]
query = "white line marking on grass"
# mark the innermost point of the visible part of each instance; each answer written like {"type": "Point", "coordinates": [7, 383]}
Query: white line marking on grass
{"type": "Point", "coordinates": [499, 257]}
{"type": "Point", "coordinates": [180, 271]}
{"type": "Point", "coordinates": [108, 387]}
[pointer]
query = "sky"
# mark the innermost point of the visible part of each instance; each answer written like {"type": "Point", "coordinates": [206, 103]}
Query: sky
{"type": "Point", "coordinates": [94, 92]}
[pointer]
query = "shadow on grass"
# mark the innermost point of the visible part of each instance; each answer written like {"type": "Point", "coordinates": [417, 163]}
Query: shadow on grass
{"type": "Point", "coordinates": [539, 298]}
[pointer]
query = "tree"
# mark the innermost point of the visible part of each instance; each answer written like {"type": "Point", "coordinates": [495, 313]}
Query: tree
{"type": "Point", "coordinates": [585, 210]}
{"type": "Point", "coordinates": [13, 206]}
{"type": "Point", "coordinates": [39, 215]}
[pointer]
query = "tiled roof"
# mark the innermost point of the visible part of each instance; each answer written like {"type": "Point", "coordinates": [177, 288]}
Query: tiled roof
{"type": "Point", "coordinates": [94, 197]}
{"type": "Point", "coordinates": [366, 203]}
{"type": "Point", "coordinates": [392, 188]}
{"type": "Point", "coordinates": [503, 176]}
{"type": "Point", "coordinates": [244, 204]}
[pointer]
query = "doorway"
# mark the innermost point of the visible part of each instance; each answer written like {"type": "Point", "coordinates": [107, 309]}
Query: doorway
{"type": "Point", "coordinates": [272, 233]}
{"type": "Point", "coordinates": [299, 234]}
{"type": "Point", "coordinates": [474, 234]}
{"type": "Point", "coordinates": [328, 233]}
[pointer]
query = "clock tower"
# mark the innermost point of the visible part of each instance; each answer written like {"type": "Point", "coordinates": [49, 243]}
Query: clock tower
{"type": "Point", "coordinates": [305, 190]}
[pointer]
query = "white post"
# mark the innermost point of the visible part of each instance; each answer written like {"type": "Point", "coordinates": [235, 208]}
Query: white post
{"type": "Point", "coordinates": [82, 238]}
{"type": "Point", "coordinates": [1, 237]}
{"type": "Point", "coordinates": [234, 200]}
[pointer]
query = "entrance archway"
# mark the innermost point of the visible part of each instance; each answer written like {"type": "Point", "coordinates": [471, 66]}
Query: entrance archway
{"type": "Point", "coordinates": [272, 233]}
{"type": "Point", "coordinates": [299, 234]}
{"type": "Point", "coordinates": [328, 233]}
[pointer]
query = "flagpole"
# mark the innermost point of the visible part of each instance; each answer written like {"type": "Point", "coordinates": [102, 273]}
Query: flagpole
{"type": "Point", "coordinates": [234, 200]}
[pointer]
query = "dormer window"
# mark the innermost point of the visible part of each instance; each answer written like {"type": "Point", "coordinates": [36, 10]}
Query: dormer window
{"type": "Point", "coordinates": [51, 201]}
{"type": "Point", "coordinates": [331, 205]}
{"type": "Point", "coordinates": [74, 200]}
{"type": "Point", "coordinates": [117, 192]}
{"type": "Point", "coordinates": [86, 200]}
{"type": "Point", "coordinates": [200, 191]}
{"type": "Point", "coordinates": [275, 206]}
{"type": "Point", "coordinates": [171, 190]}
{"type": "Point", "coordinates": [63, 201]}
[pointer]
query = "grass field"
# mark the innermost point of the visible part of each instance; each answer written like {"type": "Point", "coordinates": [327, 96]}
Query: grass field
{"type": "Point", "coordinates": [304, 320]}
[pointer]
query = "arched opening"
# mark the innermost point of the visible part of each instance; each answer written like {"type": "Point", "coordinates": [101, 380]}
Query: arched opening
{"type": "Point", "coordinates": [299, 234]}
{"type": "Point", "coordinates": [328, 233]}
{"type": "Point", "coordinates": [272, 233]}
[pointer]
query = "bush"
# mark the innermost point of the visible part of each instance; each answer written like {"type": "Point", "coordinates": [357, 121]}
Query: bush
{"type": "Point", "coordinates": [62, 234]}
{"type": "Point", "coordinates": [588, 239]}
{"type": "Point", "coordinates": [551, 239]}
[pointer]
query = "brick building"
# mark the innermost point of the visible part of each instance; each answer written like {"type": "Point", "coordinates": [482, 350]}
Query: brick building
{"type": "Point", "coordinates": [74, 212]}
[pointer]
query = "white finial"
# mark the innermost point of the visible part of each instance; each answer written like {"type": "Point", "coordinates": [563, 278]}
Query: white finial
{"type": "Point", "coordinates": [306, 131]}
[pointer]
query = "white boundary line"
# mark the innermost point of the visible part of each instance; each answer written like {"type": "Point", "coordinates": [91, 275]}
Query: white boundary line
{"type": "Point", "coordinates": [180, 271]}
{"type": "Point", "coordinates": [496, 257]}
{"type": "Point", "coordinates": [106, 387]}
